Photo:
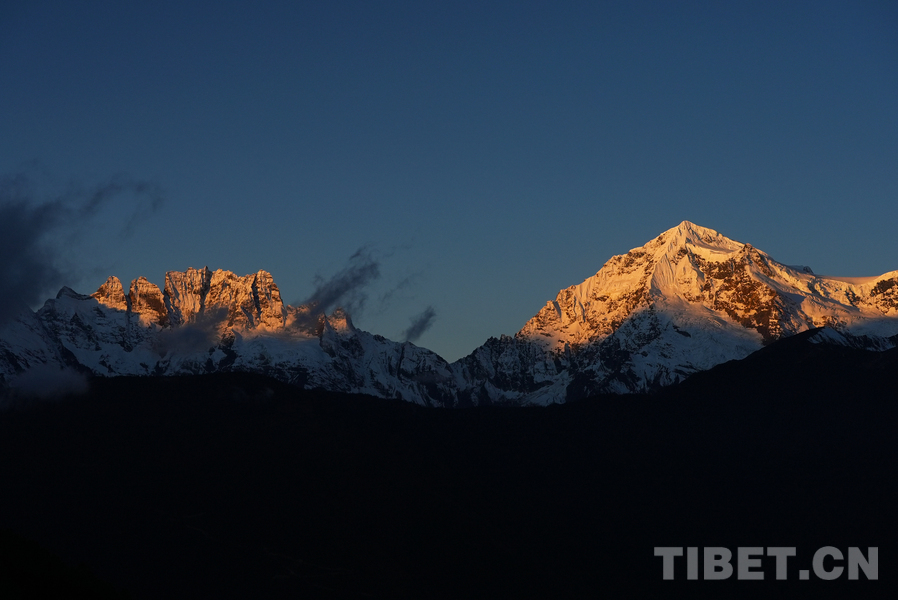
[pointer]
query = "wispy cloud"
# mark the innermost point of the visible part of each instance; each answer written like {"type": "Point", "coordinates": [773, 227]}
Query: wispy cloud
{"type": "Point", "coordinates": [347, 288]}
{"type": "Point", "coordinates": [420, 324]}
{"type": "Point", "coordinates": [403, 285]}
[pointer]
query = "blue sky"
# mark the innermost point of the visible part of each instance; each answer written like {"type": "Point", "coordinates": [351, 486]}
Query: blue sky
{"type": "Point", "coordinates": [484, 154]}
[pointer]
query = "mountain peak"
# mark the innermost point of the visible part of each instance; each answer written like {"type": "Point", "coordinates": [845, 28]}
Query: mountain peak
{"type": "Point", "coordinates": [689, 226]}
{"type": "Point", "coordinates": [112, 294]}
{"type": "Point", "coordinates": [185, 293]}
{"type": "Point", "coordinates": [704, 241]}
{"type": "Point", "coordinates": [67, 292]}
{"type": "Point", "coordinates": [339, 321]}
{"type": "Point", "coordinates": [689, 231]}
{"type": "Point", "coordinates": [147, 302]}
{"type": "Point", "coordinates": [692, 283]}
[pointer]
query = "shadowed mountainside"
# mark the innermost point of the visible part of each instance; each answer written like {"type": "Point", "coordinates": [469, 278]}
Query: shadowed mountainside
{"type": "Point", "coordinates": [233, 485]}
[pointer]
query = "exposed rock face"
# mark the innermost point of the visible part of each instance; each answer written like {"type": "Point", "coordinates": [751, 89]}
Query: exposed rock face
{"type": "Point", "coordinates": [269, 308]}
{"type": "Point", "coordinates": [883, 296]}
{"type": "Point", "coordinates": [112, 294]}
{"type": "Point", "coordinates": [685, 301]}
{"type": "Point", "coordinates": [147, 303]}
{"type": "Point", "coordinates": [185, 294]}
{"type": "Point", "coordinates": [248, 301]}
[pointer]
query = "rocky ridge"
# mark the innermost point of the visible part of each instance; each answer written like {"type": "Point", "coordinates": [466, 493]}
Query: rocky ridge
{"type": "Point", "coordinates": [682, 303]}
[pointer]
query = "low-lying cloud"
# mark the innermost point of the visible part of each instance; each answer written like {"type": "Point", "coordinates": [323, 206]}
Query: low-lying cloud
{"type": "Point", "coordinates": [195, 337]}
{"type": "Point", "coordinates": [45, 382]}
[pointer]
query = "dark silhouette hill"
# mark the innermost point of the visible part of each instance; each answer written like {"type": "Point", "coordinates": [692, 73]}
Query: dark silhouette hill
{"type": "Point", "coordinates": [236, 486]}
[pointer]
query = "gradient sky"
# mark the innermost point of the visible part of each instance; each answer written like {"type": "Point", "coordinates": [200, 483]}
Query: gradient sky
{"type": "Point", "coordinates": [483, 154]}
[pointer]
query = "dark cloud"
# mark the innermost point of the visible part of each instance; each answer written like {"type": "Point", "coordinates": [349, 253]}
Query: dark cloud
{"type": "Point", "coordinates": [28, 267]}
{"type": "Point", "coordinates": [420, 324]}
{"type": "Point", "coordinates": [36, 232]}
{"type": "Point", "coordinates": [345, 289]}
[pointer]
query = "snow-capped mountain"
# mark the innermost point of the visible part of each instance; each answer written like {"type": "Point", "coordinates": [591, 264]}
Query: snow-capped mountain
{"type": "Point", "coordinates": [205, 321]}
{"type": "Point", "coordinates": [684, 302]}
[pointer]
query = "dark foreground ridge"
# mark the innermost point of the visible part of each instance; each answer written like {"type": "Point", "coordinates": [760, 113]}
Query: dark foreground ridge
{"type": "Point", "coordinates": [237, 486]}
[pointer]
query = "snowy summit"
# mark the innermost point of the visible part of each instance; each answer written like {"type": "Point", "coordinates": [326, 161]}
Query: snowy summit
{"type": "Point", "coordinates": [683, 302]}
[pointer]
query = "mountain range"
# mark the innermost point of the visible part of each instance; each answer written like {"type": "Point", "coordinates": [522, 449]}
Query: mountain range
{"type": "Point", "coordinates": [682, 303]}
